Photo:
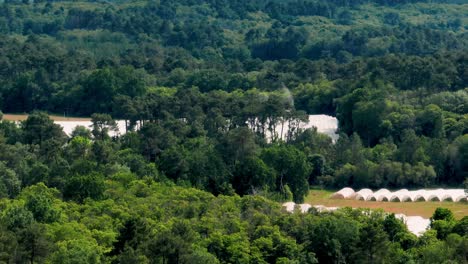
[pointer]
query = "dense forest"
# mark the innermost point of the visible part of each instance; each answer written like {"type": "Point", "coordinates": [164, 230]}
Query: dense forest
{"type": "Point", "coordinates": [204, 86]}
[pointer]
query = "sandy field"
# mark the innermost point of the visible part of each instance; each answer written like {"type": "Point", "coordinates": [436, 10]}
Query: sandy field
{"type": "Point", "coordinates": [21, 117]}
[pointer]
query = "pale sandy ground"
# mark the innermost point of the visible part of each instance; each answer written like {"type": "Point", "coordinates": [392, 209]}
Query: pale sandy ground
{"type": "Point", "coordinates": [21, 117]}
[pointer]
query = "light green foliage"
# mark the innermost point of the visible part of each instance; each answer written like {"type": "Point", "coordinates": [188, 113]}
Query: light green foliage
{"type": "Point", "coordinates": [79, 147]}
{"type": "Point", "coordinates": [77, 251]}
{"type": "Point", "coordinates": [168, 223]}
{"type": "Point", "coordinates": [81, 131]}
{"type": "Point", "coordinates": [43, 202]}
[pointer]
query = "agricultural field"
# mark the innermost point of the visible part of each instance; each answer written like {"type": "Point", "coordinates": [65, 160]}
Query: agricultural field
{"type": "Point", "coordinates": [424, 209]}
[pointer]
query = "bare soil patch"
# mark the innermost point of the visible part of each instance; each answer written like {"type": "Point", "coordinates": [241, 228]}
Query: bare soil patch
{"type": "Point", "coordinates": [21, 117]}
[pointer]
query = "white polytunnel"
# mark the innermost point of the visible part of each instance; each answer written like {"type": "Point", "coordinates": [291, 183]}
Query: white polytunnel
{"type": "Point", "coordinates": [403, 195]}
{"type": "Point", "coordinates": [416, 224]}
{"type": "Point", "coordinates": [435, 197]}
{"type": "Point", "coordinates": [289, 206]}
{"type": "Point", "coordinates": [453, 195]}
{"type": "Point", "coordinates": [397, 196]}
{"type": "Point", "coordinates": [378, 195]}
{"type": "Point", "coordinates": [447, 197]}
{"type": "Point", "coordinates": [419, 196]}
{"type": "Point", "coordinates": [364, 194]}
{"type": "Point", "coordinates": [345, 193]}
{"type": "Point", "coordinates": [406, 198]}
{"type": "Point", "coordinates": [305, 207]}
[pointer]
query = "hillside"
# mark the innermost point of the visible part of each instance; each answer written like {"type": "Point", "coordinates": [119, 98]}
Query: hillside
{"type": "Point", "coordinates": [213, 96]}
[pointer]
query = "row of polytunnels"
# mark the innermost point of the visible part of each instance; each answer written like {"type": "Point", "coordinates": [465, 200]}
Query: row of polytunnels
{"type": "Point", "coordinates": [403, 195]}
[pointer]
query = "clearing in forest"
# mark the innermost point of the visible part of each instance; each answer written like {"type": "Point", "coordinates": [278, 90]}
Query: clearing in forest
{"type": "Point", "coordinates": [424, 209]}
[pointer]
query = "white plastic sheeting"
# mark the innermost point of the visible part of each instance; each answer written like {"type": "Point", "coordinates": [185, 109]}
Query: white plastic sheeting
{"type": "Point", "coordinates": [325, 124]}
{"type": "Point", "coordinates": [364, 194]}
{"type": "Point", "coordinates": [453, 195]}
{"type": "Point", "coordinates": [419, 196]}
{"type": "Point", "coordinates": [378, 195]}
{"type": "Point", "coordinates": [398, 195]}
{"type": "Point", "coordinates": [69, 126]}
{"type": "Point", "coordinates": [345, 193]}
{"type": "Point", "coordinates": [289, 206]}
{"type": "Point", "coordinates": [416, 224]}
{"type": "Point", "coordinates": [305, 207]}
{"type": "Point", "coordinates": [403, 195]}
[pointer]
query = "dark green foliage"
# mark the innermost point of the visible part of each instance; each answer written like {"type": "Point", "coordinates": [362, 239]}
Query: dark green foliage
{"type": "Point", "coordinates": [443, 222]}
{"type": "Point", "coordinates": [291, 168]}
{"type": "Point", "coordinates": [461, 227]}
{"type": "Point", "coordinates": [442, 214]}
{"type": "Point", "coordinates": [102, 125]}
{"type": "Point", "coordinates": [10, 185]}
{"type": "Point", "coordinates": [373, 243]}
{"type": "Point", "coordinates": [128, 238]}
{"type": "Point", "coordinates": [338, 237]}
{"type": "Point", "coordinates": [80, 187]}
{"type": "Point", "coordinates": [39, 129]}
{"type": "Point", "coordinates": [251, 175]}
{"type": "Point", "coordinates": [393, 227]}
{"type": "Point", "coordinates": [318, 165]}
{"type": "Point", "coordinates": [212, 94]}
